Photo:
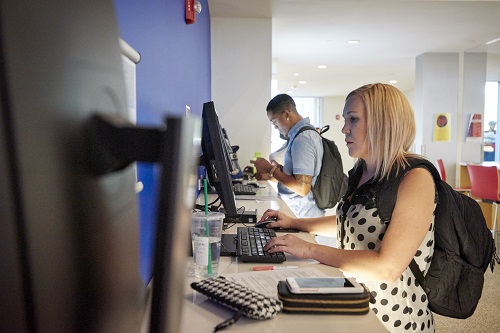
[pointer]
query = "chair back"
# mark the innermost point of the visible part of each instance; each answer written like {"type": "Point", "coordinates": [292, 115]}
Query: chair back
{"type": "Point", "coordinates": [442, 170]}
{"type": "Point", "coordinates": [484, 182]}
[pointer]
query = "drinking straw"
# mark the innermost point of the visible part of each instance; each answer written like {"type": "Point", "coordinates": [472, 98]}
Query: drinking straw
{"type": "Point", "coordinates": [207, 230]}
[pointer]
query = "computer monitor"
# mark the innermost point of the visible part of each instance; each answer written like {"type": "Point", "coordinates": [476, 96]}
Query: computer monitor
{"type": "Point", "coordinates": [216, 159]}
{"type": "Point", "coordinates": [69, 245]}
{"type": "Point", "coordinates": [176, 199]}
{"type": "Point", "coordinates": [114, 143]}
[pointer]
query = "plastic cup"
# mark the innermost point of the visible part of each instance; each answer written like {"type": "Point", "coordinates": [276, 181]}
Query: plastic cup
{"type": "Point", "coordinates": [206, 233]}
{"type": "Point", "coordinates": [255, 157]}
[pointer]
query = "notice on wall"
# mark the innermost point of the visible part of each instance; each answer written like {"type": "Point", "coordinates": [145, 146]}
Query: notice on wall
{"type": "Point", "coordinates": [442, 127]}
{"type": "Point", "coordinates": [475, 129]}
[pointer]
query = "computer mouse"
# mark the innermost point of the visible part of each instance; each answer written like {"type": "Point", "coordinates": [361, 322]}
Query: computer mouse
{"type": "Point", "coordinates": [263, 224]}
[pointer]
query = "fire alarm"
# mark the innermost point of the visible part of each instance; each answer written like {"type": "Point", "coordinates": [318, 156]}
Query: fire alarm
{"type": "Point", "coordinates": [193, 7]}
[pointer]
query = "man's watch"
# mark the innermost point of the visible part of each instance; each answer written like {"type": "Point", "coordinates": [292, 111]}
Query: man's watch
{"type": "Point", "coordinates": [271, 172]}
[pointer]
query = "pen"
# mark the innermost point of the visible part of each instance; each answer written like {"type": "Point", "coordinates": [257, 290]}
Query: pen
{"type": "Point", "coordinates": [272, 268]}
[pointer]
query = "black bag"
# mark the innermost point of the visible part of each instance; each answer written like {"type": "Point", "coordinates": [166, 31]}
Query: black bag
{"type": "Point", "coordinates": [235, 296]}
{"type": "Point", "coordinates": [331, 183]}
{"type": "Point", "coordinates": [463, 249]}
{"type": "Point", "coordinates": [323, 303]}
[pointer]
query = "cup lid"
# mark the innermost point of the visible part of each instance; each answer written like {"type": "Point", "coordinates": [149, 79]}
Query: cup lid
{"type": "Point", "coordinates": [211, 215]}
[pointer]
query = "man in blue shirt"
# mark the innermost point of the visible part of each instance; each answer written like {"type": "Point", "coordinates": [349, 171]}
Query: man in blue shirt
{"type": "Point", "coordinates": [302, 162]}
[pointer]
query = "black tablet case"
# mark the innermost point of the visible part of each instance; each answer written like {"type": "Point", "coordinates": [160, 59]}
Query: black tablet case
{"type": "Point", "coordinates": [323, 303]}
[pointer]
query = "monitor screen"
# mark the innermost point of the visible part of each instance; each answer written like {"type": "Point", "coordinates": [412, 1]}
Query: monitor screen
{"type": "Point", "coordinates": [177, 192]}
{"type": "Point", "coordinates": [216, 158]}
{"type": "Point", "coordinates": [69, 242]}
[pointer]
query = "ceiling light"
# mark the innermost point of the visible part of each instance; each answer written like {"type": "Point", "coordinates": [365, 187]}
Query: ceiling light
{"type": "Point", "coordinates": [353, 41]}
{"type": "Point", "coordinates": [393, 81]}
{"type": "Point", "coordinates": [493, 41]}
{"type": "Point", "coordinates": [302, 82]}
{"type": "Point", "coordinates": [289, 92]}
{"type": "Point", "coordinates": [321, 66]}
{"type": "Point", "coordinates": [296, 74]}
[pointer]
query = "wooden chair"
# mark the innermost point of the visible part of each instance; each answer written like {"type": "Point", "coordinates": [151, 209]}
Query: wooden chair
{"type": "Point", "coordinates": [484, 185]}
{"type": "Point", "coordinates": [442, 172]}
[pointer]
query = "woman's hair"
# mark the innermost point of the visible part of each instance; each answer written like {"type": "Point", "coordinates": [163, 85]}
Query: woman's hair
{"type": "Point", "coordinates": [390, 126]}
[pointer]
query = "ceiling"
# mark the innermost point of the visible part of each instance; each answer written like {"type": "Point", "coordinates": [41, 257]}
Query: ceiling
{"type": "Point", "coordinates": [391, 34]}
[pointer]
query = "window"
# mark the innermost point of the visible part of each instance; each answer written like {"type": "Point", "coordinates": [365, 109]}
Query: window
{"type": "Point", "coordinates": [490, 120]}
{"type": "Point", "coordinates": [490, 102]}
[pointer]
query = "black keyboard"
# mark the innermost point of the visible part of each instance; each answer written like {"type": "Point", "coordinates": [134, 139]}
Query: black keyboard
{"type": "Point", "coordinates": [250, 245]}
{"type": "Point", "coordinates": [240, 189]}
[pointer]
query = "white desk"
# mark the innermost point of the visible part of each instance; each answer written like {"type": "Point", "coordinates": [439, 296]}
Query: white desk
{"type": "Point", "coordinates": [202, 315]}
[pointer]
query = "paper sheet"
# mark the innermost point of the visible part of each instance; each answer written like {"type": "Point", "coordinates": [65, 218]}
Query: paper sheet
{"type": "Point", "coordinates": [266, 282]}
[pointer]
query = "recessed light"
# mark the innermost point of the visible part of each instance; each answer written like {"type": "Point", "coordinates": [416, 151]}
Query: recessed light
{"type": "Point", "coordinates": [353, 41]}
{"type": "Point", "coordinates": [393, 81]}
{"type": "Point", "coordinates": [302, 82]}
{"type": "Point", "coordinates": [321, 66]}
{"type": "Point", "coordinates": [493, 41]}
{"type": "Point", "coordinates": [296, 74]}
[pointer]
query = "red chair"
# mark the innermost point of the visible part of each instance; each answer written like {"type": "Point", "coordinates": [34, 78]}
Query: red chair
{"type": "Point", "coordinates": [442, 172]}
{"type": "Point", "coordinates": [484, 185]}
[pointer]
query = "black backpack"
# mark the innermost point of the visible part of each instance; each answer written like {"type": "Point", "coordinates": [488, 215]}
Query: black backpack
{"type": "Point", "coordinates": [331, 183]}
{"type": "Point", "coordinates": [463, 248]}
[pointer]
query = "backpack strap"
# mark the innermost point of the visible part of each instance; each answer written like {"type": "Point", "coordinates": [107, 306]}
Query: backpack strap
{"type": "Point", "coordinates": [327, 144]}
{"type": "Point", "coordinates": [302, 129]}
{"type": "Point", "coordinates": [417, 273]}
{"type": "Point", "coordinates": [388, 193]}
{"type": "Point", "coordinates": [307, 127]}
{"type": "Point", "coordinates": [324, 129]}
{"type": "Point", "coordinates": [386, 200]}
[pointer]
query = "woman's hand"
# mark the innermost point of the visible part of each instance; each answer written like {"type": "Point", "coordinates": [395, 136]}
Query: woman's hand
{"type": "Point", "coordinates": [282, 220]}
{"type": "Point", "coordinates": [290, 244]}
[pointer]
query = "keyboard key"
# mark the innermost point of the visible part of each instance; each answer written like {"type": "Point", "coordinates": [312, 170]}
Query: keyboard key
{"type": "Point", "coordinates": [240, 189]}
{"type": "Point", "coordinates": [252, 242]}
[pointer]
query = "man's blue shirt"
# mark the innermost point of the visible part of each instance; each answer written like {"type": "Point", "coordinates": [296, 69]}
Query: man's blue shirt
{"type": "Point", "coordinates": [302, 157]}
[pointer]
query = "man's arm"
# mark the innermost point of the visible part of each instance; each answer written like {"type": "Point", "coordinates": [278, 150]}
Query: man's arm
{"type": "Point", "coordinates": [300, 184]}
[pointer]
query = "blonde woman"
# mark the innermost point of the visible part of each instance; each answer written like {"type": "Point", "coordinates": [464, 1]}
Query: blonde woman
{"type": "Point", "coordinates": [379, 130]}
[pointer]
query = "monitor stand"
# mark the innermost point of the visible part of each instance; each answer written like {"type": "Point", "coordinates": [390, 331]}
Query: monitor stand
{"type": "Point", "coordinates": [228, 245]}
{"type": "Point", "coordinates": [247, 217]}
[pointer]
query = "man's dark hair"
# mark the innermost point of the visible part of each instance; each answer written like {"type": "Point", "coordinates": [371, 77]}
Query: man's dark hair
{"type": "Point", "coordinates": [280, 103]}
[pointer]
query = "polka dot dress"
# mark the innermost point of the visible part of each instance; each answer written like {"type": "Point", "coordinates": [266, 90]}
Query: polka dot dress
{"type": "Point", "coordinates": [401, 305]}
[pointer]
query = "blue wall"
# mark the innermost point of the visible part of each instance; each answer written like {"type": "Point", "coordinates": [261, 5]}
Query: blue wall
{"type": "Point", "coordinates": [174, 71]}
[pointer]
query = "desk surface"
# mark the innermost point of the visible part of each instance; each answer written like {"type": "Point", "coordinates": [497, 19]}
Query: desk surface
{"type": "Point", "coordinates": [202, 315]}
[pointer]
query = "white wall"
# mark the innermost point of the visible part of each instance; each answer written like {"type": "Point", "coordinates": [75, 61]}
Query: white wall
{"type": "Point", "coordinates": [241, 82]}
{"type": "Point", "coordinates": [333, 107]}
{"type": "Point", "coordinates": [473, 99]}
{"type": "Point", "coordinates": [454, 83]}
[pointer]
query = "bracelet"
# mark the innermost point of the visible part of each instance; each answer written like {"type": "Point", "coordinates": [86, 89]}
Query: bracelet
{"type": "Point", "coordinates": [271, 172]}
